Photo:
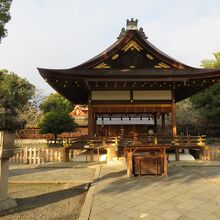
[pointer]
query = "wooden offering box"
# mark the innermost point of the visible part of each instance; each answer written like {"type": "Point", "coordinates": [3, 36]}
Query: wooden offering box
{"type": "Point", "coordinates": [149, 159]}
{"type": "Point", "coordinates": [147, 164]}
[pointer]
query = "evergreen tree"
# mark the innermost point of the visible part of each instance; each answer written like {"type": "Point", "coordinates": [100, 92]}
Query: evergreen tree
{"type": "Point", "coordinates": [56, 123]}
{"type": "Point", "coordinates": [209, 100]}
{"type": "Point", "coordinates": [4, 16]}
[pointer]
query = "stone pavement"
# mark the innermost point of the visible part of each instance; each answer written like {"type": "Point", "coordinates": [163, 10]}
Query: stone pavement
{"type": "Point", "coordinates": [188, 193]}
{"type": "Point", "coordinates": [51, 173]}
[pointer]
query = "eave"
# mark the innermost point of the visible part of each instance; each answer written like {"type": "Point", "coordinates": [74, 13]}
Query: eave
{"type": "Point", "coordinates": [132, 60]}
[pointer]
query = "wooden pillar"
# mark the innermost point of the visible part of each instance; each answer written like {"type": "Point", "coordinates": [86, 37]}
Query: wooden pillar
{"type": "Point", "coordinates": [86, 155]}
{"type": "Point", "coordinates": [91, 153]}
{"type": "Point", "coordinates": [109, 131]}
{"type": "Point", "coordinates": [174, 129]}
{"type": "Point", "coordinates": [122, 130]}
{"type": "Point", "coordinates": [91, 121]}
{"type": "Point", "coordinates": [174, 132]}
{"type": "Point", "coordinates": [173, 113]}
{"type": "Point", "coordinates": [93, 125]}
{"type": "Point", "coordinates": [89, 116]}
{"type": "Point", "coordinates": [174, 119]}
{"type": "Point", "coordinates": [129, 164]}
{"type": "Point", "coordinates": [165, 162]}
{"type": "Point", "coordinates": [163, 123]}
{"type": "Point", "coordinates": [97, 130]}
{"type": "Point", "coordinates": [98, 154]}
{"type": "Point", "coordinates": [155, 123]}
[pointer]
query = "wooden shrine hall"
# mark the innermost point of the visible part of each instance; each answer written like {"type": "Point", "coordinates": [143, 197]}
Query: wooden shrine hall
{"type": "Point", "coordinates": [129, 86]}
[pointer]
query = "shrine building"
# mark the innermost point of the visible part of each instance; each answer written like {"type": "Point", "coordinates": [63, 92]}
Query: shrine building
{"type": "Point", "coordinates": [130, 85]}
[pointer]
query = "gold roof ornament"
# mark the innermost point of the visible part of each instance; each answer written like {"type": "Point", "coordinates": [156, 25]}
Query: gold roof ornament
{"type": "Point", "coordinates": [149, 56]}
{"type": "Point", "coordinates": [132, 45]}
{"type": "Point", "coordinates": [115, 56]}
{"type": "Point", "coordinates": [162, 65]}
{"type": "Point", "coordinates": [102, 66]}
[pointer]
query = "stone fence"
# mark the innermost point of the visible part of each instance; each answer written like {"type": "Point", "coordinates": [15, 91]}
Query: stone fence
{"type": "Point", "coordinates": [39, 155]}
{"type": "Point", "coordinates": [211, 153]}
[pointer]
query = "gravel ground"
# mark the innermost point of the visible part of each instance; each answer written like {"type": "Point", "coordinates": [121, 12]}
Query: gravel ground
{"type": "Point", "coordinates": [46, 201]}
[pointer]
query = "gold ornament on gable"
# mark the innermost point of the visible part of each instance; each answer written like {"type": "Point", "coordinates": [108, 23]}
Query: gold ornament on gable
{"type": "Point", "coordinates": [162, 65]}
{"type": "Point", "coordinates": [133, 45]}
{"type": "Point", "coordinates": [115, 56]}
{"type": "Point", "coordinates": [149, 56]}
{"type": "Point", "coordinates": [102, 66]}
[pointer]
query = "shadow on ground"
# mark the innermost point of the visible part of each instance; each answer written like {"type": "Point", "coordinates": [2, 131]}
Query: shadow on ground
{"type": "Point", "coordinates": [18, 172]}
{"type": "Point", "coordinates": [112, 175]}
{"type": "Point", "coordinates": [37, 201]}
{"type": "Point", "coordinates": [117, 181]}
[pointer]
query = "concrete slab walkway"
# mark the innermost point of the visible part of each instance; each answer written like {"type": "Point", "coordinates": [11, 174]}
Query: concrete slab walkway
{"type": "Point", "coordinates": [51, 173]}
{"type": "Point", "coordinates": [187, 193]}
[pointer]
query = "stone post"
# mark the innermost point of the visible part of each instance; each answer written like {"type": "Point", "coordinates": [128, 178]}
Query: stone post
{"type": "Point", "coordinates": [111, 156]}
{"type": "Point", "coordinates": [65, 154]}
{"type": "Point", "coordinates": [7, 150]}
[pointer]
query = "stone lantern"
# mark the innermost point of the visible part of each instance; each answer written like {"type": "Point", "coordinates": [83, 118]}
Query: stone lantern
{"type": "Point", "coordinates": [7, 150]}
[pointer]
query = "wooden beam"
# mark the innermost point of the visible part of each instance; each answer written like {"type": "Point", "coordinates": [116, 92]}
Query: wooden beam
{"type": "Point", "coordinates": [127, 108]}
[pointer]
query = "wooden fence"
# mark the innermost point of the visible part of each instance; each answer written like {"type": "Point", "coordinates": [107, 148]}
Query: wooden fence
{"type": "Point", "coordinates": [211, 153]}
{"type": "Point", "coordinates": [39, 155]}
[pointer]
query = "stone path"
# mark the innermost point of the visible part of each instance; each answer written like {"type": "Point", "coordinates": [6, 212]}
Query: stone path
{"type": "Point", "coordinates": [188, 193]}
{"type": "Point", "coordinates": [51, 191]}
{"type": "Point", "coordinates": [50, 174]}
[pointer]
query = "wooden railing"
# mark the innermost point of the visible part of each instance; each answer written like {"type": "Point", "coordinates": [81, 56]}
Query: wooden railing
{"type": "Point", "coordinates": [39, 155]}
{"type": "Point", "coordinates": [165, 139]}
{"type": "Point", "coordinates": [189, 141]}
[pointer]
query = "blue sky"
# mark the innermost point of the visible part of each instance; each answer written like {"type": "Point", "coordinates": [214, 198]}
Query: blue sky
{"type": "Point", "coordinates": [65, 33]}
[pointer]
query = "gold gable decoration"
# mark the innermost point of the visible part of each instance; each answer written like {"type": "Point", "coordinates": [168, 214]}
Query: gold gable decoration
{"type": "Point", "coordinates": [102, 66]}
{"type": "Point", "coordinates": [162, 65]}
{"type": "Point", "coordinates": [114, 57]}
{"type": "Point", "coordinates": [149, 56]}
{"type": "Point", "coordinates": [132, 45]}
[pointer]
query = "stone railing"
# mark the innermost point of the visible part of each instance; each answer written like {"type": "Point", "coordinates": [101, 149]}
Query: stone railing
{"type": "Point", "coordinates": [39, 155]}
{"type": "Point", "coordinates": [211, 153]}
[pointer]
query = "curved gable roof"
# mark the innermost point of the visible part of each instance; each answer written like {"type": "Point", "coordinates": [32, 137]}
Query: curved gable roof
{"type": "Point", "coordinates": [132, 50]}
{"type": "Point", "coordinates": [131, 59]}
